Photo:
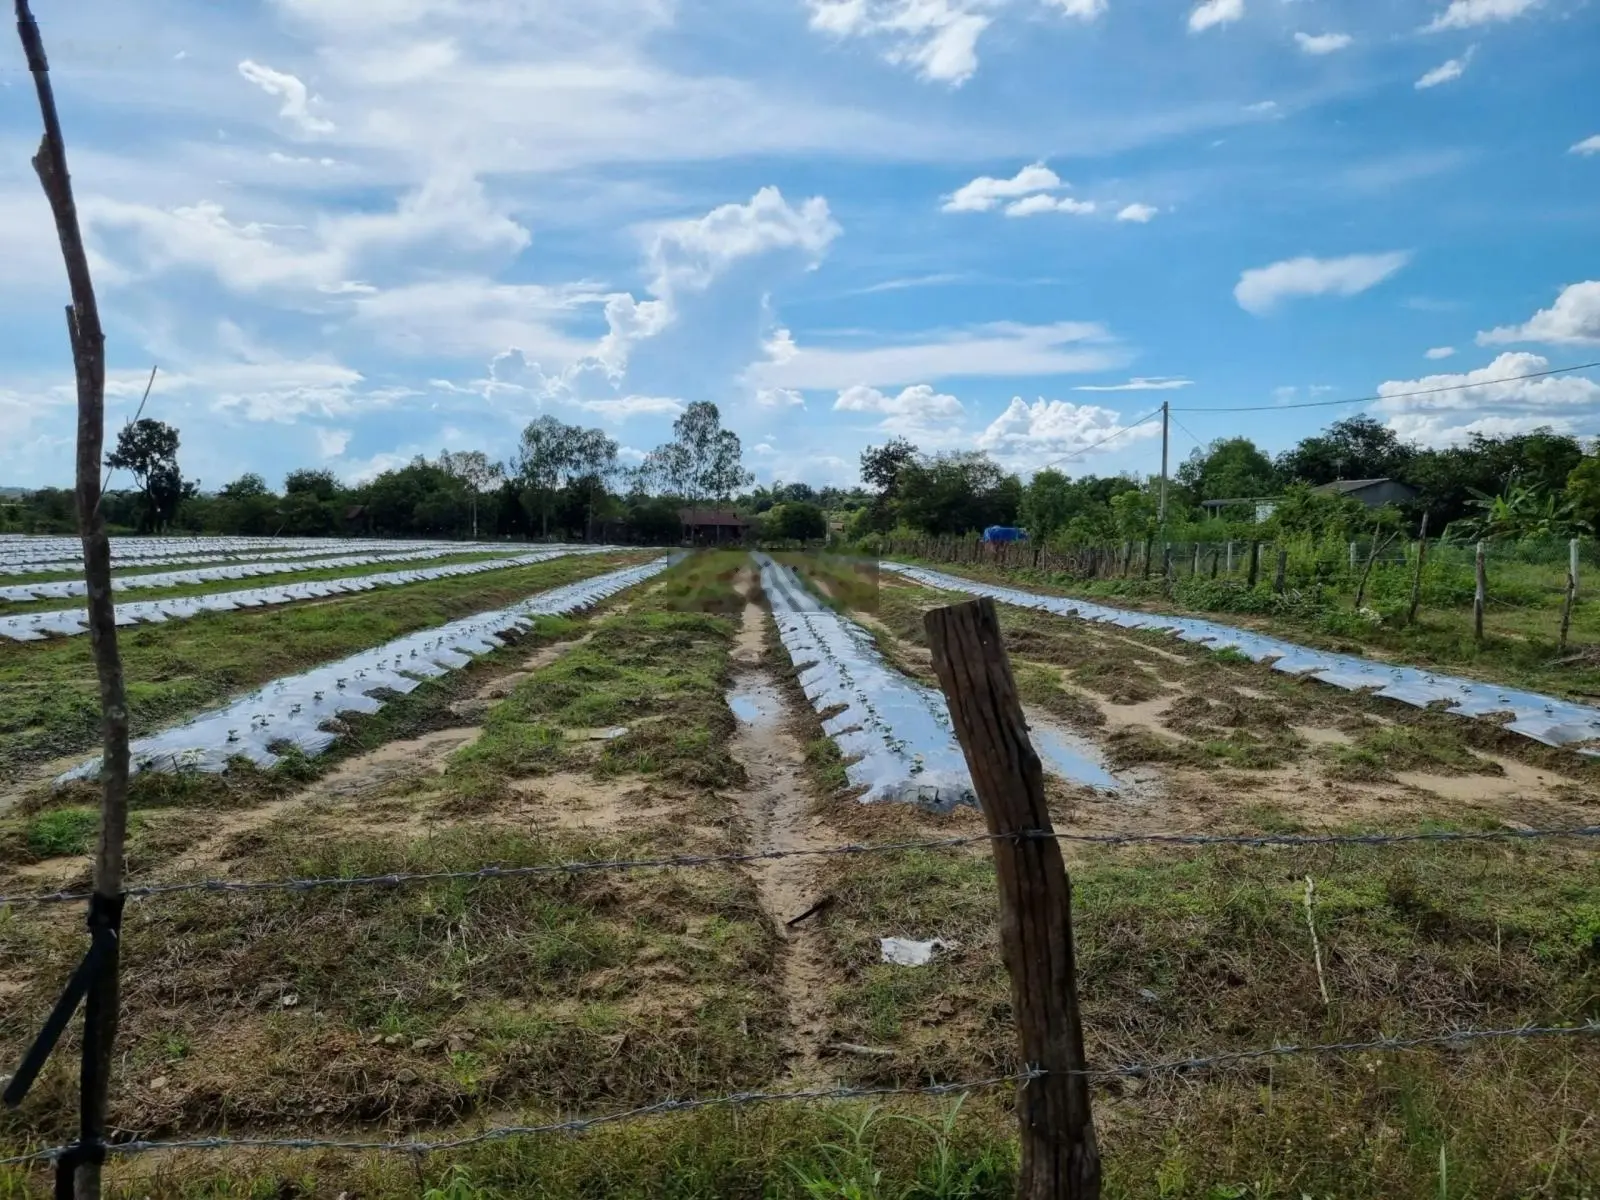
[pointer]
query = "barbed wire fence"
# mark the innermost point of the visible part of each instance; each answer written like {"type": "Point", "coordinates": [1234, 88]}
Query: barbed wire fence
{"type": "Point", "coordinates": [1036, 1074]}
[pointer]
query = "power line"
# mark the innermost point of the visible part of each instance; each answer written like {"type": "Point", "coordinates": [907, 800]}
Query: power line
{"type": "Point", "coordinates": [1189, 431]}
{"type": "Point", "coordinates": [1454, 387]}
{"type": "Point", "coordinates": [1148, 417]}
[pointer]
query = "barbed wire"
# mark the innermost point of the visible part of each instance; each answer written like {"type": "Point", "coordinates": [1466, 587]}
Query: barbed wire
{"type": "Point", "coordinates": [396, 879]}
{"type": "Point", "coordinates": [578, 1125]}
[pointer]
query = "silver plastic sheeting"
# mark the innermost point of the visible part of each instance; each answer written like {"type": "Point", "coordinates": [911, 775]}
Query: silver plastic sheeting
{"type": "Point", "coordinates": [1542, 718]}
{"type": "Point", "coordinates": [894, 733]}
{"type": "Point", "coordinates": [327, 549]}
{"type": "Point", "coordinates": [26, 555]}
{"type": "Point", "coordinates": [64, 589]}
{"type": "Point", "coordinates": [32, 627]}
{"type": "Point", "coordinates": [293, 711]}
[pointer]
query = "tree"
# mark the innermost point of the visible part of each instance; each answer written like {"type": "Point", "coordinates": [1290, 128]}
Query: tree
{"type": "Point", "coordinates": [311, 503]}
{"type": "Point", "coordinates": [1355, 448]}
{"type": "Point", "coordinates": [797, 521]}
{"type": "Point", "coordinates": [149, 450]}
{"type": "Point", "coordinates": [323, 485]}
{"type": "Point", "coordinates": [554, 455]}
{"type": "Point", "coordinates": [1229, 469]}
{"type": "Point", "coordinates": [1449, 481]}
{"type": "Point", "coordinates": [1583, 490]}
{"type": "Point", "coordinates": [956, 493]}
{"type": "Point", "coordinates": [1047, 504]}
{"type": "Point", "coordinates": [474, 469]}
{"type": "Point", "coordinates": [1520, 512]}
{"type": "Point", "coordinates": [881, 466]}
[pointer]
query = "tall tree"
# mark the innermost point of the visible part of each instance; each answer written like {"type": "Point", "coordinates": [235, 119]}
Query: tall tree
{"type": "Point", "coordinates": [1355, 448]}
{"type": "Point", "coordinates": [474, 468]}
{"type": "Point", "coordinates": [703, 461]}
{"type": "Point", "coordinates": [149, 450]}
{"type": "Point", "coordinates": [881, 466]}
{"type": "Point", "coordinates": [554, 455]}
{"type": "Point", "coordinates": [1228, 469]}
{"type": "Point", "coordinates": [1047, 504]}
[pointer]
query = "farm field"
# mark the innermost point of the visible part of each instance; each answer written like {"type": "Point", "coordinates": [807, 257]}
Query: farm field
{"type": "Point", "coordinates": [669, 720]}
{"type": "Point", "coordinates": [1522, 619]}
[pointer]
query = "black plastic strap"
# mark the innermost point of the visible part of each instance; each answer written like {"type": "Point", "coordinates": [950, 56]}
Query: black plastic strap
{"type": "Point", "coordinates": [105, 924]}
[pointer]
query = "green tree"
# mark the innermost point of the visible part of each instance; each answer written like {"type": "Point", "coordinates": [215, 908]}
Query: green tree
{"type": "Point", "coordinates": [474, 468]}
{"type": "Point", "coordinates": [958, 492]}
{"type": "Point", "coordinates": [1048, 503]}
{"type": "Point", "coordinates": [247, 506]}
{"type": "Point", "coordinates": [1583, 490]}
{"type": "Point", "coordinates": [703, 461]}
{"type": "Point", "coordinates": [796, 521]}
{"type": "Point", "coordinates": [1355, 448]}
{"type": "Point", "coordinates": [148, 449]}
{"type": "Point", "coordinates": [1228, 469]}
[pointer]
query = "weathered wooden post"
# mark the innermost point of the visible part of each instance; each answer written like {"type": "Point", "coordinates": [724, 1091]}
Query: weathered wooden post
{"type": "Point", "coordinates": [1060, 1158]}
{"type": "Point", "coordinates": [1277, 576]}
{"type": "Point", "coordinates": [1416, 579]}
{"type": "Point", "coordinates": [1480, 595]}
{"type": "Point", "coordinates": [1255, 565]}
{"type": "Point", "coordinates": [1572, 565]}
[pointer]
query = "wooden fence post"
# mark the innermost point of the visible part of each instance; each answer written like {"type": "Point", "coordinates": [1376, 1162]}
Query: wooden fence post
{"type": "Point", "coordinates": [1480, 595]}
{"type": "Point", "coordinates": [1230, 560]}
{"type": "Point", "coordinates": [1215, 556]}
{"type": "Point", "coordinates": [1255, 565]}
{"type": "Point", "coordinates": [1194, 571]}
{"type": "Point", "coordinates": [1572, 565]}
{"type": "Point", "coordinates": [1060, 1158]}
{"type": "Point", "coordinates": [1277, 576]}
{"type": "Point", "coordinates": [1416, 579]}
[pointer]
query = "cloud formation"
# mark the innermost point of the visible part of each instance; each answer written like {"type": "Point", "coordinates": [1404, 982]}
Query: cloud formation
{"type": "Point", "coordinates": [1215, 12]}
{"type": "Point", "coordinates": [914, 410]}
{"type": "Point", "coordinates": [1262, 289]}
{"type": "Point", "coordinates": [1464, 14]}
{"type": "Point", "coordinates": [296, 100]}
{"type": "Point", "coordinates": [1440, 352]}
{"type": "Point", "coordinates": [1482, 405]}
{"type": "Point", "coordinates": [1589, 145]}
{"type": "Point", "coordinates": [986, 192]}
{"type": "Point", "coordinates": [1445, 72]}
{"type": "Point", "coordinates": [1139, 213]}
{"type": "Point", "coordinates": [1026, 437]}
{"type": "Point", "coordinates": [1139, 383]}
{"type": "Point", "coordinates": [1322, 43]}
{"type": "Point", "coordinates": [1573, 320]}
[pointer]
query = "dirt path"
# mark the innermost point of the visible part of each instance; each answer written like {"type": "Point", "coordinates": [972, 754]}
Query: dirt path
{"type": "Point", "coordinates": [774, 807]}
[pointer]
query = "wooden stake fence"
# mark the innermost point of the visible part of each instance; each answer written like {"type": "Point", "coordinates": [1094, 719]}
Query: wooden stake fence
{"type": "Point", "coordinates": [1060, 1157]}
{"type": "Point", "coordinates": [1480, 594]}
{"type": "Point", "coordinates": [1416, 580]}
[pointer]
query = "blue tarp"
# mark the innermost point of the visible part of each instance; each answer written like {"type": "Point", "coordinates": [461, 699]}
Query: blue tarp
{"type": "Point", "coordinates": [1004, 533]}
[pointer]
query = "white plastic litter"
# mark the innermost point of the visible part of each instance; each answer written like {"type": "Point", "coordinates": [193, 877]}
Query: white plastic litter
{"type": "Point", "coordinates": [895, 734]}
{"type": "Point", "coordinates": [1542, 718]}
{"type": "Point", "coordinates": [903, 952]}
{"type": "Point", "coordinates": [31, 627]}
{"type": "Point", "coordinates": [293, 711]}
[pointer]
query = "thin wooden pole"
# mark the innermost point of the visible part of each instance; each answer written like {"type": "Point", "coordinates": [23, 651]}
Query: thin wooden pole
{"type": "Point", "coordinates": [1416, 578]}
{"type": "Point", "coordinates": [1060, 1158]}
{"type": "Point", "coordinates": [1255, 565]}
{"type": "Point", "coordinates": [89, 365]}
{"type": "Point", "coordinates": [1372, 557]}
{"type": "Point", "coordinates": [1480, 595]}
{"type": "Point", "coordinates": [1277, 575]}
{"type": "Point", "coordinates": [1572, 565]}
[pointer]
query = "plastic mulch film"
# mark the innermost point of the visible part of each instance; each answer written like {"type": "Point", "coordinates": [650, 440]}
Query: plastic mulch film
{"type": "Point", "coordinates": [293, 711]}
{"type": "Point", "coordinates": [1542, 718]}
{"type": "Point", "coordinates": [29, 627]}
{"type": "Point", "coordinates": [894, 733]}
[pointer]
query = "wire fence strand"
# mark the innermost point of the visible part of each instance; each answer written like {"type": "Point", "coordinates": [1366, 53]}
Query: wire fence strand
{"type": "Point", "coordinates": [579, 1125]}
{"type": "Point", "coordinates": [396, 879]}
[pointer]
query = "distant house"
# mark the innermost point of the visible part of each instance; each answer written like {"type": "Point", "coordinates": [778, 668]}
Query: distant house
{"type": "Point", "coordinates": [713, 526]}
{"type": "Point", "coordinates": [1374, 493]}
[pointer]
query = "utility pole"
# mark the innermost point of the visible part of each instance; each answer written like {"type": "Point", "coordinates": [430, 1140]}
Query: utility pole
{"type": "Point", "coordinates": [1161, 508]}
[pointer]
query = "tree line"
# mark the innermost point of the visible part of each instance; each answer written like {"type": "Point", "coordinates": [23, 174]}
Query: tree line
{"type": "Point", "coordinates": [1540, 484]}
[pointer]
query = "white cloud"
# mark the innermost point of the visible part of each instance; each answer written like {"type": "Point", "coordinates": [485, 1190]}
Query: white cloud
{"type": "Point", "coordinates": [1031, 205]}
{"type": "Point", "coordinates": [471, 315]}
{"type": "Point", "coordinates": [984, 192]}
{"type": "Point", "coordinates": [1027, 436]}
{"type": "Point", "coordinates": [914, 410]}
{"type": "Point", "coordinates": [331, 443]}
{"type": "Point", "coordinates": [1215, 12]}
{"type": "Point", "coordinates": [1482, 404]}
{"type": "Point", "coordinates": [1589, 145]}
{"type": "Point", "coordinates": [1003, 349]}
{"type": "Point", "coordinates": [779, 397]}
{"type": "Point", "coordinates": [624, 407]}
{"type": "Point", "coordinates": [1445, 72]}
{"type": "Point", "coordinates": [692, 253]}
{"type": "Point", "coordinates": [1440, 352]}
{"type": "Point", "coordinates": [1574, 319]}
{"type": "Point", "coordinates": [1323, 43]}
{"type": "Point", "coordinates": [1138, 383]}
{"type": "Point", "coordinates": [1464, 14]}
{"type": "Point", "coordinates": [1140, 213]}
{"type": "Point", "coordinates": [1261, 289]}
{"type": "Point", "coordinates": [938, 38]}
{"type": "Point", "coordinates": [296, 100]}
{"type": "Point", "coordinates": [1262, 106]}
{"type": "Point", "coordinates": [1086, 10]}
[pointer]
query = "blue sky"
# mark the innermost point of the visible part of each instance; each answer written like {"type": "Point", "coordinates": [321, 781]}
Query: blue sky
{"type": "Point", "coordinates": [351, 231]}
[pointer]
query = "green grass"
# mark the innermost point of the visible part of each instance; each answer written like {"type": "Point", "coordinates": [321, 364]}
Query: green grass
{"type": "Point", "coordinates": [1520, 646]}
{"type": "Point", "coordinates": [49, 700]}
{"type": "Point", "coordinates": [62, 831]}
